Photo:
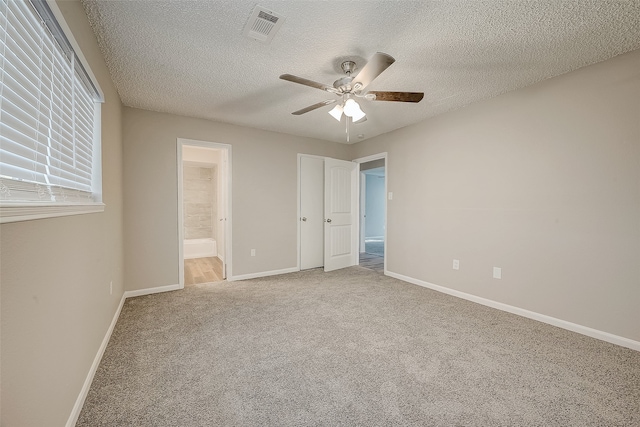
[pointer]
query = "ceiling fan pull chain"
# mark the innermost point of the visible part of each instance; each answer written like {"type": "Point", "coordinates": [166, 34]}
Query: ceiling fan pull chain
{"type": "Point", "coordinates": [348, 88]}
{"type": "Point", "coordinates": [347, 119]}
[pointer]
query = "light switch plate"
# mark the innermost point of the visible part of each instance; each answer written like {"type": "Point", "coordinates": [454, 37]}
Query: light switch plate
{"type": "Point", "coordinates": [497, 273]}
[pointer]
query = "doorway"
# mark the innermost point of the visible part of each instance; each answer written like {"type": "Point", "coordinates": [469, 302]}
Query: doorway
{"type": "Point", "coordinates": [373, 212]}
{"type": "Point", "coordinates": [204, 236]}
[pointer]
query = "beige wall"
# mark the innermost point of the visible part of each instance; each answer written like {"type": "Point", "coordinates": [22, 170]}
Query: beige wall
{"type": "Point", "coordinates": [56, 306]}
{"type": "Point", "coordinates": [264, 182]}
{"type": "Point", "coordinates": [543, 182]}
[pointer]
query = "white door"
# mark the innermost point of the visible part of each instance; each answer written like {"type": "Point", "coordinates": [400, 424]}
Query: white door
{"type": "Point", "coordinates": [311, 212]}
{"type": "Point", "coordinates": [340, 210]}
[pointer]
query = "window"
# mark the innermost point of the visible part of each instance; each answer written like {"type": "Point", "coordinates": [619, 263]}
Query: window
{"type": "Point", "coordinates": [49, 118]}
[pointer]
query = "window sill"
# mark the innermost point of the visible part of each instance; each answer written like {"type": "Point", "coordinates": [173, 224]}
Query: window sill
{"type": "Point", "coordinates": [15, 212]}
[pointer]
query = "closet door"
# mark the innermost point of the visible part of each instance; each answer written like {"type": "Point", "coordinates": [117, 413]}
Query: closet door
{"type": "Point", "coordinates": [311, 212]}
{"type": "Point", "coordinates": [340, 210]}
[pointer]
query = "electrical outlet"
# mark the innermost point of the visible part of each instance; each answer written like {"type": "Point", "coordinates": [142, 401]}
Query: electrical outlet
{"type": "Point", "coordinates": [253, 252]}
{"type": "Point", "coordinates": [111, 288]}
{"type": "Point", "coordinates": [456, 264]}
{"type": "Point", "coordinates": [497, 273]}
{"type": "Point", "coordinates": [390, 195]}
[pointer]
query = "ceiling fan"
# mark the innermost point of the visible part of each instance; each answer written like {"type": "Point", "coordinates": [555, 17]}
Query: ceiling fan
{"type": "Point", "coordinates": [348, 88]}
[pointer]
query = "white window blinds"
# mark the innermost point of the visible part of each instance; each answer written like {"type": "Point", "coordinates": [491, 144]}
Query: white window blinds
{"type": "Point", "coordinates": [48, 110]}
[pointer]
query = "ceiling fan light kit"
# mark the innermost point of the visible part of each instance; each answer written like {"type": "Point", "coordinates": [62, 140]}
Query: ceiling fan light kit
{"type": "Point", "coordinates": [336, 112]}
{"type": "Point", "coordinates": [352, 109]}
{"type": "Point", "coordinates": [348, 87]}
{"type": "Point", "coordinates": [349, 108]}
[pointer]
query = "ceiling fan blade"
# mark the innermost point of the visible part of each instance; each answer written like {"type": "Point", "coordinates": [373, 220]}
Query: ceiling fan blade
{"type": "Point", "coordinates": [397, 96]}
{"type": "Point", "coordinates": [376, 65]}
{"type": "Point", "coordinates": [314, 107]}
{"type": "Point", "coordinates": [307, 82]}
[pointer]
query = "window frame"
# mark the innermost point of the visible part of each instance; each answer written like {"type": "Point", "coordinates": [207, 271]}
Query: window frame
{"type": "Point", "coordinates": [20, 210]}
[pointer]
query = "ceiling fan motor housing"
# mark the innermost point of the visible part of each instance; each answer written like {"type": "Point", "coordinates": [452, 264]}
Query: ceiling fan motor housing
{"type": "Point", "coordinates": [344, 84]}
{"type": "Point", "coordinates": [349, 87]}
{"type": "Point", "coordinates": [348, 67]}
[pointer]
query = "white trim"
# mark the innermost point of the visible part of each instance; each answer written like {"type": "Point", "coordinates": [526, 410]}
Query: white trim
{"type": "Point", "coordinates": [228, 229]}
{"type": "Point", "coordinates": [18, 211]}
{"type": "Point", "coordinates": [362, 193]}
{"type": "Point", "coordinates": [180, 173]}
{"type": "Point", "coordinates": [75, 412]}
{"type": "Point", "coordinates": [149, 291]}
{"type": "Point", "coordinates": [355, 216]}
{"type": "Point", "coordinates": [371, 158]}
{"type": "Point", "coordinates": [264, 274]}
{"type": "Point", "coordinates": [77, 407]}
{"type": "Point", "coordinates": [298, 216]}
{"type": "Point", "coordinates": [573, 327]}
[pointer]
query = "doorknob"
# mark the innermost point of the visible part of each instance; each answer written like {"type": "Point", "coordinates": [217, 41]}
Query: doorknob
{"type": "Point", "coordinates": [329, 220]}
{"type": "Point", "coordinates": [304, 218]}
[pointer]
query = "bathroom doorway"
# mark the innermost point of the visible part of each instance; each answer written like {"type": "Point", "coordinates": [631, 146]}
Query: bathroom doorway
{"type": "Point", "coordinates": [203, 211]}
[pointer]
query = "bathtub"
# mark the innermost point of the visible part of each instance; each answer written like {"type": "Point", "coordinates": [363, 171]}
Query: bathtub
{"type": "Point", "coordinates": [199, 248]}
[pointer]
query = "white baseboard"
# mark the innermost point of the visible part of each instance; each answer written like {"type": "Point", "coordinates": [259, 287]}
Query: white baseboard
{"type": "Point", "coordinates": [75, 412]}
{"type": "Point", "coordinates": [574, 327]}
{"type": "Point", "coordinates": [265, 274]}
{"type": "Point", "coordinates": [584, 330]}
{"type": "Point", "coordinates": [149, 291]}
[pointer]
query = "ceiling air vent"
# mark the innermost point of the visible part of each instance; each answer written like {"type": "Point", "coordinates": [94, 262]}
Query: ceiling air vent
{"type": "Point", "coordinates": [263, 24]}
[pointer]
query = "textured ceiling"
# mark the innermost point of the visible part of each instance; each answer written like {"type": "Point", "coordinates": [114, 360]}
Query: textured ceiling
{"type": "Point", "coordinates": [190, 57]}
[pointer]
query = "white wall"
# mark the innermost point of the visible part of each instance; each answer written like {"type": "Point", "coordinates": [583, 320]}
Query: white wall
{"type": "Point", "coordinates": [56, 305]}
{"type": "Point", "coordinates": [543, 182]}
{"type": "Point", "coordinates": [264, 195]}
{"type": "Point", "coordinates": [374, 206]}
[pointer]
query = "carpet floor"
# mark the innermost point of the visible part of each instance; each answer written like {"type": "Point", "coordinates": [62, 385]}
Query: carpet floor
{"type": "Point", "coordinates": [350, 348]}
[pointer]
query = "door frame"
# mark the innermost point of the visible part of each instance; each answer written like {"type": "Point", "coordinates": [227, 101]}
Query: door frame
{"type": "Point", "coordinates": [361, 215]}
{"type": "Point", "coordinates": [180, 143]}
{"type": "Point", "coordinates": [385, 156]}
